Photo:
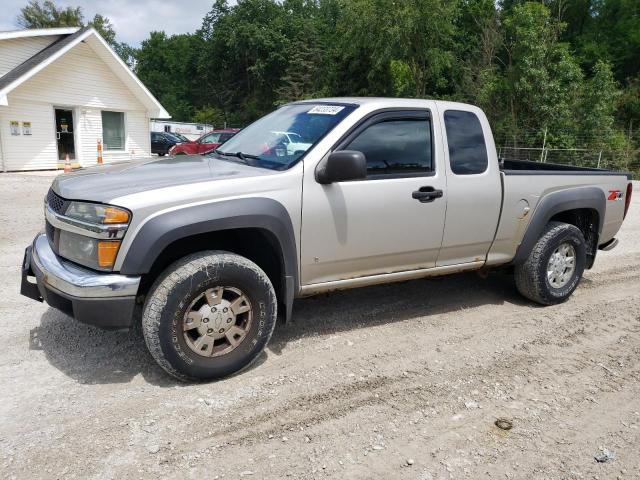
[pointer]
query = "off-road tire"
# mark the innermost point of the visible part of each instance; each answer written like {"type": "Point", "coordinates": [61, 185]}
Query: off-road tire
{"type": "Point", "coordinates": [173, 292]}
{"type": "Point", "coordinates": [531, 276]}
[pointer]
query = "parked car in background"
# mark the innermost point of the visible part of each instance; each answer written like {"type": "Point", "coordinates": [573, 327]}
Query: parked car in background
{"type": "Point", "coordinates": [162, 142]}
{"type": "Point", "coordinates": [292, 141]}
{"type": "Point", "coordinates": [205, 143]}
{"type": "Point", "coordinates": [180, 137]}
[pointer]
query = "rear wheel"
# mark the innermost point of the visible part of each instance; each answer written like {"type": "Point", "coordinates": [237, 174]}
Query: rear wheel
{"type": "Point", "coordinates": [555, 265]}
{"type": "Point", "coordinates": [209, 315]}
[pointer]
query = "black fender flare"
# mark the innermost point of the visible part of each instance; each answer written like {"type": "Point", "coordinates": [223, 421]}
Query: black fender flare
{"type": "Point", "coordinates": [558, 202]}
{"type": "Point", "coordinates": [160, 231]}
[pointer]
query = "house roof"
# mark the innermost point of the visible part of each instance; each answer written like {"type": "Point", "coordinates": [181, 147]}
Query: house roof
{"type": "Point", "coordinates": [37, 32]}
{"type": "Point", "coordinates": [70, 38]}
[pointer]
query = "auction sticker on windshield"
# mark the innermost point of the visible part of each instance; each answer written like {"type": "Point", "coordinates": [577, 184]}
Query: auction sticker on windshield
{"type": "Point", "coordinates": [326, 109]}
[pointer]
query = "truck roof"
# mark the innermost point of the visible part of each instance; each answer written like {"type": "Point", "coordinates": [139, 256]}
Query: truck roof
{"type": "Point", "coordinates": [383, 102]}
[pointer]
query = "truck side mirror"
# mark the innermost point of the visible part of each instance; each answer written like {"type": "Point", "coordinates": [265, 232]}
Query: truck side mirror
{"type": "Point", "coordinates": [342, 166]}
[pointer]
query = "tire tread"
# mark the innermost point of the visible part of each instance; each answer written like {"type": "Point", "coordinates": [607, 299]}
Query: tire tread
{"type": "Point", "coordinates": [169, 280]}
{"type": "Point", "coordinates": [529, 281]}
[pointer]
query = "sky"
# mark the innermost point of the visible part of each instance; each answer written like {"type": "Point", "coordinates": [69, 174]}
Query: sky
{"type": "Point", "coordinates": [132, 19]}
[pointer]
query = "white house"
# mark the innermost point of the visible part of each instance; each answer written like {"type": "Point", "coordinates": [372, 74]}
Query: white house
{"type": "Point", "coordinates": [61, 91]}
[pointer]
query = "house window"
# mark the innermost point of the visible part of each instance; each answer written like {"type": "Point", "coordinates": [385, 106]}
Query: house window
{"type": "Point", "coordinates": [113, 134]}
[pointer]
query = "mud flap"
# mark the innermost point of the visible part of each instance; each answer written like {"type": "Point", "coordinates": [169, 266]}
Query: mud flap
{"type": "Point", "coordinates": [28, 288]}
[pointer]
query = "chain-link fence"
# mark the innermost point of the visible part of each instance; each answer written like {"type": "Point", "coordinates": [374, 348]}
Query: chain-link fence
{"type": "Point", "coordinates": [524, 148]}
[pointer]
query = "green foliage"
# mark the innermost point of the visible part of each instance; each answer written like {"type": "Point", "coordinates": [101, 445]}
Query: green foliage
{"type": "Point", "coordinates": [210, 115]}
{"type": "Point", "coordinates": [598, 107]}
{"type": "Point", "coordinates": [48, 15]}
{"type": "Point", "coordinates": [564, 71]}
{"type": "Point", "coordinates": [542, 77]}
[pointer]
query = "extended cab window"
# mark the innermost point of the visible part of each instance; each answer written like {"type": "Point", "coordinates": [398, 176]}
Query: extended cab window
{"type": "Point", "coordinates": [396, 147]}
{"type": "Point", "coordinates": [467, 150]}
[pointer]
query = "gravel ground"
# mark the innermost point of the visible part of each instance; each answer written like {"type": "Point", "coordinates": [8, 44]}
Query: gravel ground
{"type": "Point", "coordinates": [398, 381]}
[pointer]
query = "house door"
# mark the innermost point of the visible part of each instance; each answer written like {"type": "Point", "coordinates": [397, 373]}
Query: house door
{"type": "Point", "coordinates": [64, 134]}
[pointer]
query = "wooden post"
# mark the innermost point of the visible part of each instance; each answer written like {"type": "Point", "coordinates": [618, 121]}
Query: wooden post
{"type": "Point", "coordinates": [99, 152]}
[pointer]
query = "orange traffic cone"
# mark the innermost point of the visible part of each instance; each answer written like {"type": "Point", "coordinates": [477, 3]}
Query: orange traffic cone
{"type": "Point", "coordinates": [67, 164]}
{"type": "Point", "coordinates": [99, 152]}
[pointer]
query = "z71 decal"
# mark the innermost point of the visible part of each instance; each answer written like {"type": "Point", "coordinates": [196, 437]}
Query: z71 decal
{"type": "Point", "coordinates": [615, 195]}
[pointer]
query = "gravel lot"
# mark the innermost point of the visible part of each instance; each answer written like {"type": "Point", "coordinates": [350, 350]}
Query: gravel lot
{"type": "Point", "coordinates": [399, 381]}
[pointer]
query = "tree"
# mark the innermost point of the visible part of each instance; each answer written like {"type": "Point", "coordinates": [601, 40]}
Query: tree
{"type": "Point", "coordinates": [542, 78]}
{"type": "Point", "coordinates": [47, 15]}
{"type": "Point", "coordinates": [598, 107]}
{"type": "Point", "coordinates": [167, 65]}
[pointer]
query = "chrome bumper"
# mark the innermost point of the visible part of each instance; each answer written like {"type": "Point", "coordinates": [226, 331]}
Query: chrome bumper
{"type": "Point", "coordinates": [68, 278]}
{"type": "Point", "coordinates": [102, 299]}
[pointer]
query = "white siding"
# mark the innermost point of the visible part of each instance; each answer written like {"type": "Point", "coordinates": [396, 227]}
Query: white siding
{"type": "Point", "coordinates": [28, 152]}
{"type": "Point", "coordinates": [14, 51]}
{"type": "Point", "coordinates": [80, 81]}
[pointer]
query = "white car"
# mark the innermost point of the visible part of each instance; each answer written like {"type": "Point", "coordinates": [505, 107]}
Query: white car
{"type": "Point", "coordinates": [293, 141]}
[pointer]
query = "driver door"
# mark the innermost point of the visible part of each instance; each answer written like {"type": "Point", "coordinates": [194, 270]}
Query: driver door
{"type": "Point", "coordinates": [374, 226]}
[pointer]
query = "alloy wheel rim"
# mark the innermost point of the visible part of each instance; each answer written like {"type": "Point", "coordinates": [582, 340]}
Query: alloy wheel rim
{"type": "Point", "coordinates": [561, 265]}
{"type": "Point", "coordinates": [217, 321]}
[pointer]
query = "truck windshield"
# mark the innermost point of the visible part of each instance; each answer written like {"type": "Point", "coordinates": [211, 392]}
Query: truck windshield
{"type": "Point", "coordinates": [279, 139]}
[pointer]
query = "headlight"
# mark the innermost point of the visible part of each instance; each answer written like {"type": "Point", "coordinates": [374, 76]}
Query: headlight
{"type": "Point", "coordinates": [90, 234]}
{"type": "Point", "coordinates": [98, 214]}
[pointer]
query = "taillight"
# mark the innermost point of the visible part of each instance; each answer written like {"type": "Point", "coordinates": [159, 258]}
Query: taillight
{"type": "Point", "coordinates": [627, 199]}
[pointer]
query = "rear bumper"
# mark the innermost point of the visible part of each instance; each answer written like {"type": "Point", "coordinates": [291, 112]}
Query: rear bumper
{"type": "Point", "coordinates": [101, 299]}
{"type": "Point", "coordinates": [610, 245]}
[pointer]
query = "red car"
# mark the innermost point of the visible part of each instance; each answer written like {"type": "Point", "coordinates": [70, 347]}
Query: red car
{"type": "Point", "coordinates": [205, 143]}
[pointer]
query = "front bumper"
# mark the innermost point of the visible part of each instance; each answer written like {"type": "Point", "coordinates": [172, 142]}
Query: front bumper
{"type": "Point", "coordinates": [106, 300]}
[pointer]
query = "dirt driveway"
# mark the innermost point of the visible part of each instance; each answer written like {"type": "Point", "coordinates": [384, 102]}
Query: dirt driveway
{"type": "Point", "coordinates": [400, 381]}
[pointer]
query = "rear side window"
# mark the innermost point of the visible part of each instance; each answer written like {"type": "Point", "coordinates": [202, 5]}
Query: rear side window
{"type": "Point", "coordinates": [467, 150]}
{"type": "Point", "coordinates": [396, 147]}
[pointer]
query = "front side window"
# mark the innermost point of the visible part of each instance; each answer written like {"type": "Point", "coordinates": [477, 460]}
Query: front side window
{"type": "Point", "coordinates": [211, 138]}
{"type": "Point", "coordinates": [113, 135]}
{"type": "Point", "coordinates": [267, 142]}
{"type": "Point", "coordinates": [467, 150]}
{"type": "Point", "coordinates": [396, 147]}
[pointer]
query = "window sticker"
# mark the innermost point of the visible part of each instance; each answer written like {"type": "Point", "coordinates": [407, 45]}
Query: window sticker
{"type": "Point", "coordinates": [326, 109]}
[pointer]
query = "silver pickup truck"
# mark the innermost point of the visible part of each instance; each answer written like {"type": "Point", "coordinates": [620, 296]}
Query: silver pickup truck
{"type": "Point", "coordinates": [379, 190]}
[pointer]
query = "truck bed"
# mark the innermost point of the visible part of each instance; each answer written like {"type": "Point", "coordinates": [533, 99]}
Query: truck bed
{"type": "Point", "coordinates": [527, 167]}
{"type": "Point", "coordinates": [525, 183]}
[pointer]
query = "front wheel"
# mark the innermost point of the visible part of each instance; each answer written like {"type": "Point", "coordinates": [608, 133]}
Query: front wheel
{"type": "Point", "coordinates": [555, 265]}
{"type": "Point", "coordinates": [209, 315]}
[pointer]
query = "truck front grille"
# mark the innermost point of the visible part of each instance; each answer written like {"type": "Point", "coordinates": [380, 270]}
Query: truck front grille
{"type": "Point", "coordinates": [56, 202]}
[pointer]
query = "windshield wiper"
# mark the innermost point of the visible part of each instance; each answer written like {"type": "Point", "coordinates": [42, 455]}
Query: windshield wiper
{"type": "Point", "coordinates": [240, 155]}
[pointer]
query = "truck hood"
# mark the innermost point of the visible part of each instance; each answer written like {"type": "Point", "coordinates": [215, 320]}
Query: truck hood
{"type": "Point", "coordinates": [105, 182]}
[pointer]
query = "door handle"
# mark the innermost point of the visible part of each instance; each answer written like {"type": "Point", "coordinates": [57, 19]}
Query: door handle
{"type": "Point", "coordinates": [426, 194]}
